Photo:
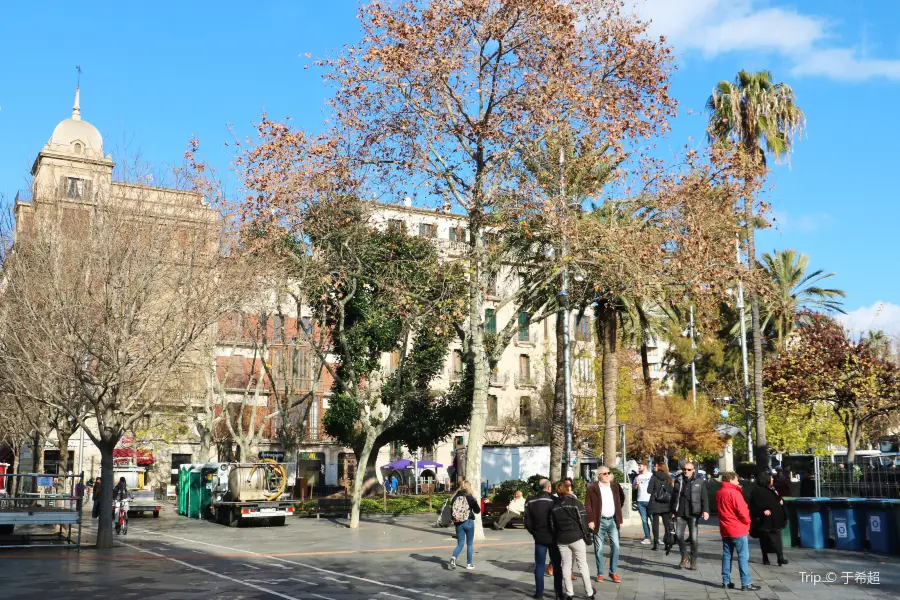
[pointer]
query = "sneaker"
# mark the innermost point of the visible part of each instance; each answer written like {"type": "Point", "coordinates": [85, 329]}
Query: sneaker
{"type": "Point", "coordinates": [615, 577]}
{"type": "Point", "coordinates": [646, 541]}
{"type": "Point", "coordinates": [750, 588]}
{"type": "Point", "coordinates": [452, 564]}
{"type": "Point", "coordinates": [470, 567]}
{"type": "Point", "coordinates": [599, 578]}
{"type": "Point", "coordinates": [729, 586]}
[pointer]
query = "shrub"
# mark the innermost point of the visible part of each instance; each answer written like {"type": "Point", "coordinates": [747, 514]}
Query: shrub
{"type": "Point", "coordinates": [534, 481]}
{"type": "Point", "coordinates": [618, 475]}
{"type": "Point", "coordinates": [507, 490]}
{"type": "Point", "coordinates": [579, 486]}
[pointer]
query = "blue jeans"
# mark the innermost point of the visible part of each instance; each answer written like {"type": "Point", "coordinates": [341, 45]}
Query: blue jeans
{"type": "Point", "coordinates": [607, 527]}
{"type": "Point", "coordinates": [540, 562]}
{"type": "Point", "coordinates": [642, 510]}
{"type": "Point", "coordinates": [740, 546]}
{"type": "Point", "coordinates": [465, 534]}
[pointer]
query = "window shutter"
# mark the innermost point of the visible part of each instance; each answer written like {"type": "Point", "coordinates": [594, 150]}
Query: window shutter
{"type": "Point", "coordinates": [88, 187]}
{"type": "Point", "coordinates": [421, 228]}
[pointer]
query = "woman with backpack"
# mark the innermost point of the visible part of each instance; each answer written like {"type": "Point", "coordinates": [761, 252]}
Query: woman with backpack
{"type": "Point", "coordinates": [463, 509]}
{"type": "Point", "coordinates": [660, 489]}
{"type": "Point", "coordinates": [569, 525]}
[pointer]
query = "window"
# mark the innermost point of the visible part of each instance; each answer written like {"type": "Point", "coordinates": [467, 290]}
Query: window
{"type": "Point", "coordinates": [458, 234]}
{"type": "Point", "coordinates": [584, 369]}
{"type": "Point", "coordinates": [525, 412]}
{"type": "Point", "coordinates": [583, 329]}
{"type": "Point", "coordinates": [236, 372]}
{"type": "Point", "coordinates": [393, 361]}
{"type": "Point", "coordinates": [313, 421]}
{"type": "Point", "coordinates": [456, 365]}
{"type": "Point", "coordinates": [490, 321]}
{"type": "Point", "coordinates": [428, 230]}
{"type": "Point", "coordinates": [278, 329]}
{"type": "Point", "coordinates": [492, 284]}
{"type": "Point", "coordinates": [305, 328]}
{"type": "Point", "coordinates": [524, 322]}
{"type": "Point", "coordinates": [396, 225]}
{"type": "Point", "coordinates": [525, 369]}
{"type": "Point", "coordinates": [74, 188]}
{"type": "Point", "coordinates": [77, 147]}
{"type": "Point", "coordinates": [396, 450]}
{"type": "Point", "coordinates": [492, 411]}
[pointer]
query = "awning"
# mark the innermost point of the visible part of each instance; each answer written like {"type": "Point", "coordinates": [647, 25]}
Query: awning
{"type": "Point", "coordinates": [404, 463]}
{"type": "Point", "coordinates": [144, 457]}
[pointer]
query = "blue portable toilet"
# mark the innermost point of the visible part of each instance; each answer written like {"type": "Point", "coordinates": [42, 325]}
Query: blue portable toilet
{"type": "Point", "coordinates": [812, 522]}
{"type": "Point", "coordinates": [847, 520]}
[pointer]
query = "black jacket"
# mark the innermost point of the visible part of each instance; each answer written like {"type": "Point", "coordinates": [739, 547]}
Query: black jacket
{"type": "Point", "coordinates": [690, 500]}
{"type": "Point", "coordinates": [763, 498]}
{"type": "Point", "coordinates": [120, 492]}
{"type": "Point", "coordinates": [568, 520]}
{"type": "Point", "coordinates": [658, 481]}
{"type": "Point", "coordinates": [537, 518]}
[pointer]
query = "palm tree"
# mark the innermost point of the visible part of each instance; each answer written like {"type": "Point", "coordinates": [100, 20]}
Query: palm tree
{"type": "Point", "coordinates": [760, 118]}
{"type": "Point", "coordinates": [795, 290]}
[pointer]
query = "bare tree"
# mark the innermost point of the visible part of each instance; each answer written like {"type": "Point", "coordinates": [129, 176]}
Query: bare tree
{"type": "Point", "coordinates": [110, 289]}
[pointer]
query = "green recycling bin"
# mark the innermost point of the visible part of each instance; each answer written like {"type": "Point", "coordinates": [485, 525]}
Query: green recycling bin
{"type": "Point", "coordinates": [790, 535]}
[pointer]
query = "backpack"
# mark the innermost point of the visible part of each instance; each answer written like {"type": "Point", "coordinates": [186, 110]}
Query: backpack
{"type": "Point", "coordinates": [460, 509]}
{"type": "Point", "coordinates": [663, 494]}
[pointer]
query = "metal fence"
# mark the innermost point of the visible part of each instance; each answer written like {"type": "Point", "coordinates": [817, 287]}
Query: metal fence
{"type": "Point", "coordinates": [41, 499]}
{"type": "Point", "coordinates": [863, 480]}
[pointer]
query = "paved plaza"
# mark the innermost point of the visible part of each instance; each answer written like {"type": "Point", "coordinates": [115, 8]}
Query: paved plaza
{"type": "Point", "coordinates": [403, 558]}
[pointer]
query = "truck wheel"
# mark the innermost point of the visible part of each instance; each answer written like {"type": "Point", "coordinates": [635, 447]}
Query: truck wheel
{"type": "Point", "coordinates": [155, 514]}
{"type": "Point", "coordinates": [277, 521]}
{"type": "Point", "coordinates": [234, 518]}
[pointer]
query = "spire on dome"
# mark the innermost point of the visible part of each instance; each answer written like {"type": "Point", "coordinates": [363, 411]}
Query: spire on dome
{"type": "Point", "coordinates": [76, 109]}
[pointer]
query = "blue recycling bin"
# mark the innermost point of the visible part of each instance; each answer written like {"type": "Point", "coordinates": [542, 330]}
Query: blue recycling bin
{"type": "Point", "coordinates": [881, 525]}
{"type": "Point", "coordinates": [848, 522]}
{"type": "Point", "coordinates": [812, 521]}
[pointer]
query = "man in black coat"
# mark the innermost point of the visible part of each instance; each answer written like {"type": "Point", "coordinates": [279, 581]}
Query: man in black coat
{"type": "Point", "coordinates": [689, 503]}
{"type": "Point", "coordinates": [537, 522]}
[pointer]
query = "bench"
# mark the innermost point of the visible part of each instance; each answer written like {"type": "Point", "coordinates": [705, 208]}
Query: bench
{"type": "Point", "coordinates": [333, 507]}
{"type": "Point", "coordinates": [492, 514]}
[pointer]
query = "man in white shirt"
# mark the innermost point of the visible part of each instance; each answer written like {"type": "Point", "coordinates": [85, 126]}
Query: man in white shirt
{"type": "Point", "coordinates": [513, 510]}
{"type": "Point", "coordinates": [640, 484]}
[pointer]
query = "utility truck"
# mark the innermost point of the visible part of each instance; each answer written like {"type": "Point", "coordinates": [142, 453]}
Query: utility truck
{"type": "Point", "coordinates": [234, 493]}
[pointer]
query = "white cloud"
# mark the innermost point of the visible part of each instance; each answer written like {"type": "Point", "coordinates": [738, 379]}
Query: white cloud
{"type": "Point", "coordinates": [881, 315]}
{"type": "Point", "coordinates": [714, 27]}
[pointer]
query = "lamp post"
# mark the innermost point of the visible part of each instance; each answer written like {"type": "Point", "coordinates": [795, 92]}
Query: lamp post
{"type": "Point", "coordinates": [740, 307]}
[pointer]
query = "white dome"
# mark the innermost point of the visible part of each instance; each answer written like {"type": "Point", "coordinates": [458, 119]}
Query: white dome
{"type": "Point", "coordinates": [75, 130]}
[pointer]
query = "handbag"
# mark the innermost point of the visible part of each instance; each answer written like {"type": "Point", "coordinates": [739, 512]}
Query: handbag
{"type": "Point", "coordinates": [587, 536]}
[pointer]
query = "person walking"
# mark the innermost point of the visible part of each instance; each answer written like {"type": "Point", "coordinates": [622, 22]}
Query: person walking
{"type": "Point", "coordinates": [690, 502]}
{"type": "Point", "coordinates": [660, 491]}
{"type": "Point", "coordinates": [734, 525]}
{"type": "Point", "coordinates": [568, 522]}
{"type": "Point", "coordinates": [641, 483]}
{"type": "Point", "coordinates": [768, 517]}
{"type": "Point", "coordinates": [513, 510]}
{"type": "Point", "coordinates": [537, 523]}
{"type": "Point", "coordinates": [603, 503]}
{"type": "Point", "coordinates": [463, 509]}
{"type": "Point", "coordinates": [96, 495]}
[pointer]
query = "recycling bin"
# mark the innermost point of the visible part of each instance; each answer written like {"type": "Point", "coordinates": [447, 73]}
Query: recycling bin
{"type": "Point", "coordinates": [790, 535]}
{"type": "Point", "coordinates": [812, 521]}
{"type": "Point", "coordinates": [881, 525]}
{"type": "Point", "coordinates": [848, 522]}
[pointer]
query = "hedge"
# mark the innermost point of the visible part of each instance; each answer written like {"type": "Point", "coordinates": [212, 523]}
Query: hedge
{"type": "Point", "coordinates": [406, 505]}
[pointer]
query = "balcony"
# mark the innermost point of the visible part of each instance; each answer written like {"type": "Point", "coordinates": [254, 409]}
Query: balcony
{"type": "Point", "coordinates": [525, 380]}
{"type": "Point", "coordinates": [499, 380]}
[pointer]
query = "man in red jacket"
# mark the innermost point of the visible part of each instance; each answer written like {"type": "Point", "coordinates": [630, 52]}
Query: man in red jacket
{"type": "Point", "coordinates": [734, 526]}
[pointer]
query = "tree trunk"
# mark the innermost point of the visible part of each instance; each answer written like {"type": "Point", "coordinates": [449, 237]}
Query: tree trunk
{"type": "Point", "coordinates": [645, 371]}
{"type": "Point", "coordinates": [481, 370]}
{"type": "Point", "coordinates": [359, 480]}
{"type": "Point", "coordinates": [62, 438]}
{"type": "Point", "coordinates": [852, 440]}
{"type": "Point", "coordinates": [558, 423]}
{"type": "Point", "coordinates": [105, 519]}
{"type": "Point", "coordinates": [14, 484]}
{"type": "Point", "coordinates": [762, 455]}
{"type": "Point", "coordinates": [205, 451]}
{"type": "Point", "coordinates": [608, 334]}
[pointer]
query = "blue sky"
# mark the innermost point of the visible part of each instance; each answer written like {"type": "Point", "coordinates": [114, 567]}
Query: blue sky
{"type": "Point", "coordinates": [156, 74]}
